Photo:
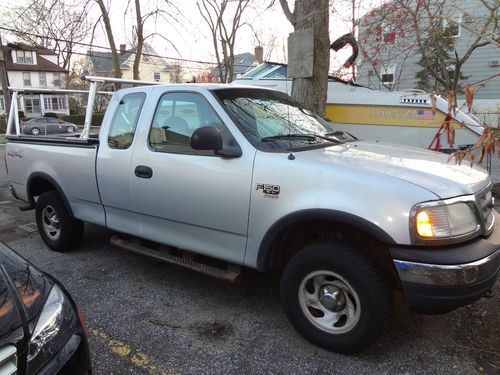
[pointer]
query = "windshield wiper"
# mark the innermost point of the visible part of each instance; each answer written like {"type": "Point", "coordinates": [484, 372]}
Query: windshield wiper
{"type": "Point", "coordinates": [340, 133]}
{"type": "Point", "coordinates": [305, 136]}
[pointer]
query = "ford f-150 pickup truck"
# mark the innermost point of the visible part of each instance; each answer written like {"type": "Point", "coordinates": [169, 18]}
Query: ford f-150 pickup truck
{"type": "Point", "coordinates": [218, 177]}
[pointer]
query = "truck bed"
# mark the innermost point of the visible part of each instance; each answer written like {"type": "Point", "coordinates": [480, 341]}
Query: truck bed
{"type": "Point", "coordinates": [69, 162]}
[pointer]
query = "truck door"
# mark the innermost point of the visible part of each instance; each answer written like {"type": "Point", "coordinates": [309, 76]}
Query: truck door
{"type": "Point", "coordinates": [114, 168]}
{"type": "Point", "coordinates": [188, 198]}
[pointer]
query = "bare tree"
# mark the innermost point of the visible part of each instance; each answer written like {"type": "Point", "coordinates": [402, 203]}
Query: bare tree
{"type": "Point", "coordinates": [111, 40]}
{"type": "Point", "coordinates": [311, 14]}
{"type": "Point", "coordinates": [58, 25]}
{"type": "Point", "coordinates": [162, 9]}
{"type": "Point", "coordinates": [177, 73]}
{"type": "Point", "coordinates": [224, 19]}
{"type": "Point", "coordinates": [267, 39]}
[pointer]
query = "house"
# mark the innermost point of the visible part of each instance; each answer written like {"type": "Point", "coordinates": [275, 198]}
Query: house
{"type": "Point", "coordinates": [35, 67]}
{"type": "Point", "coordinates": [243, 62]}
{"type": "Point", "coordinates": [152, 67]}
{"type": "Point", "coordinates": [390, 60]}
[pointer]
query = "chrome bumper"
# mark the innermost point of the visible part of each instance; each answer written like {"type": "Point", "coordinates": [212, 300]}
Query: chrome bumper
{"type": "Point", "coordinates": [448, 275]}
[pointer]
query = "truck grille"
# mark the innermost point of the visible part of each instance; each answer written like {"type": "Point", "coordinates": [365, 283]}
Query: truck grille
{"type": "Point", "coordinates": [8, 360]}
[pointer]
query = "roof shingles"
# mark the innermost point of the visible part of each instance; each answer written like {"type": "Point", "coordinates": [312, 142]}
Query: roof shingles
{"type": "Point", "coordinates": [42, 65]}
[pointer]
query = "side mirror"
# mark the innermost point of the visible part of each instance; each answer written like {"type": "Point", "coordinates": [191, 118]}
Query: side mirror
{"type": "Point", "coordinates": [206, 138]}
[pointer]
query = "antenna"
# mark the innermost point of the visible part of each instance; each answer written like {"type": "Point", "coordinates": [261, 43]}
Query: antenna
{"type": "Point", "coordinates": [291, 156]}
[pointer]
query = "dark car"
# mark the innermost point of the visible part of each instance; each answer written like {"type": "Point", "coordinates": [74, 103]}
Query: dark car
{"type": "Point", "coordinates": [47, 125]}
{"type": "Point", "coordinates": [41, 331]}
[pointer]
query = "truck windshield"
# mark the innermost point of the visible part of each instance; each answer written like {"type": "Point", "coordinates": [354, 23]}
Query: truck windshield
{"type": "Point", "coordinates": [272, 121]}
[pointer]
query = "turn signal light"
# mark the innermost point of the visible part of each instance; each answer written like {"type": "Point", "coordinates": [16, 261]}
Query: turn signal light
{"type": "Point", "coordinates": [424, 225]}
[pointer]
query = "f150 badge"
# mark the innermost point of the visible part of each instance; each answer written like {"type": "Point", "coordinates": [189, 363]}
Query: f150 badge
{"type": "Point", "coordinates": [270, 191]}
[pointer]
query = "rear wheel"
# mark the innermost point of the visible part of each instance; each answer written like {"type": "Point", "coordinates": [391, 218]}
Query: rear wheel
{"type": "Point", "coordinates": [35, 131]}
{"type": "Point", "coordinates": [335, 297]}
{"type": "Point", "coordinates": [58, 229]}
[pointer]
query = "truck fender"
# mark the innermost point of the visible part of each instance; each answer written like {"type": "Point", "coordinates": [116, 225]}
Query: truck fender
{"type": "Point", "coordinates": [46, 183]}
{"type": "Point", "coordinates": [266, 255]}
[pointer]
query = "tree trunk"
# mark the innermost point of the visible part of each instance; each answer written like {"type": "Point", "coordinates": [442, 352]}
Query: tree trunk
{"type": "Point", "coordinates": [111, 39]}
{"type": "Point", "coordinates": [312, 91]}
{"type": "Point", "coordinates": [140, 40]}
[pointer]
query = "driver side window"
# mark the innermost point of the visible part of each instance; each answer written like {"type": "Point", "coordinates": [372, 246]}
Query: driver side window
{"type": "Point", "coordinates": [177, 116]}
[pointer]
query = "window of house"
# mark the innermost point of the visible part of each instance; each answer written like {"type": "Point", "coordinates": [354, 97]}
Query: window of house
{"type": "Point", "coordinates": [2, 105]}
{"type": "Point", "coordinates": [42, 79]}
{"type": "Point", "coordinates": [122, 129]}
{"type": "Point", "coordinates": [24, 57]}
{"type": "Point", "coordinates": [54, 103]}
{"type": "Point", "coordinates": [61, 103]}
{"type": "Point", "coordinates": [32, 104]}
{"type": "Point", "coordinates": [57, 79]}
{"type": "Point", "coordinates": [387, 74]}
{"type": "Point", "coordinates": [47, 103]}
{"type": "Point", "coordinates": [156, 76]}
{"type": "Point", "coordinates": [451, 25]}
{"type": "Point", "coordinates": [451, 71]}
{"type": "Point", "coordinates": [177, 116]}
{"type": "Point", "coordinates": [27, 79]}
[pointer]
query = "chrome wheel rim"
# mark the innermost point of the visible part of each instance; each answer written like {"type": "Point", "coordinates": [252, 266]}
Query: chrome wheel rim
{"type": "Point", "coordinates": [69, 129]}
{"type": "Point", "coordinates": [329, 302]}
{"type": "Point", "coordinates": [51, 225]}
{"type": "Point", "coordinates": [35, 131]}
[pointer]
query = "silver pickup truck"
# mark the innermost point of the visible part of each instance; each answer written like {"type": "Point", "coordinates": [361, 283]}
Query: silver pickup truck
{"type": "Point", "coordinates": [218, 177]}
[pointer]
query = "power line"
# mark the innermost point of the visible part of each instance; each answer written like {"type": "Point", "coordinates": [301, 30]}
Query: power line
{"type": "Point", "coordinates": [109, 49]}
{"type": "Point", "coordinates": [142, 62]}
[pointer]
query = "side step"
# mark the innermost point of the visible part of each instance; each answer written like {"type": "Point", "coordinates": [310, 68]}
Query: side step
{"type": "Point", "coordinates": [166, 254]}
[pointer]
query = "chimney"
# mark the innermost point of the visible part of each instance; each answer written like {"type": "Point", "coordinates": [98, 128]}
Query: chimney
{"type": "Point", "coordinates": [123, 48]}
{"type": "Point", "coordinates": [259, 54]}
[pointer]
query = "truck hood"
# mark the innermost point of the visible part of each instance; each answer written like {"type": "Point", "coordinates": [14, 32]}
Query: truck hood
{"type": "Point", "coordinates": [428, 169]}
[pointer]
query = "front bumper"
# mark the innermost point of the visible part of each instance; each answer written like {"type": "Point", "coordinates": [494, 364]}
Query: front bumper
{"type": "Point", "coordinates": [72, 359]}
{"type": "Point", "coordinates": [441, 279]}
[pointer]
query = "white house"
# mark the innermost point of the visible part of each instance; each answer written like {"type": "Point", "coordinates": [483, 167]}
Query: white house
{"type": "Point", "coordinates": [35, 67]}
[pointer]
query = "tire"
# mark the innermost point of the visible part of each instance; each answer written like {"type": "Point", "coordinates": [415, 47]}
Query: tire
{"type": "Point", "coordinates": [69, 129]}
{"type": "Point", "coordinates": [35, 131]}
{"type": "Point", "coordinates": [58, 229]}
{"type": "Point", "coordinates": [335, 297]}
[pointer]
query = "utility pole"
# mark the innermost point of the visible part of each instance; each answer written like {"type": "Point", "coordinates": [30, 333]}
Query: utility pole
{"type": "Point", "coordinates": [4, 80]}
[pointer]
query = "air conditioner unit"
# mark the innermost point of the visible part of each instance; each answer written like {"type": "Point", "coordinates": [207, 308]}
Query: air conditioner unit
{"type": "Point", "coordinates": [494, 63]}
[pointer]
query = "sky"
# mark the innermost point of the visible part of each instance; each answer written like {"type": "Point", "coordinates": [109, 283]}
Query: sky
{"type": "Point", "coordinates": [189, 37]}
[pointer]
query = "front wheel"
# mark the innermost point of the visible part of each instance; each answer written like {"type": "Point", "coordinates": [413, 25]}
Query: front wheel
{"type": "Point", "coordinates": [58, 229]}
{"type": "Point", "coordinates": [335, 297]}
{"type": "Point", "coordinates": [69, 129]}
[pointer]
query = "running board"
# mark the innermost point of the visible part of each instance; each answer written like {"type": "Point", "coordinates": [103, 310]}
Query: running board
{"type": "Point", "coordinates": [231, 274]}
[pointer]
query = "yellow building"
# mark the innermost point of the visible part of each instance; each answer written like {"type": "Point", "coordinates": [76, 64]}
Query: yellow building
{"type": "Point", "coordinates": [152, 66]}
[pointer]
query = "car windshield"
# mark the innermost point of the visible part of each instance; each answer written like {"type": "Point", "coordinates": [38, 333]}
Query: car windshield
{"type": "Point", "coordinates": [272, 121]}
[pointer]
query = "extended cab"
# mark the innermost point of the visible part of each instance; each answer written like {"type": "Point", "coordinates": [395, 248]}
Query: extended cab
{"type": "Point", "coordinates": [247, 177]}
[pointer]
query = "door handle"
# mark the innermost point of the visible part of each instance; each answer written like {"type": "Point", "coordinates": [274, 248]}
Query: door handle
{"type": "Point", "coordinates": [143, 171]}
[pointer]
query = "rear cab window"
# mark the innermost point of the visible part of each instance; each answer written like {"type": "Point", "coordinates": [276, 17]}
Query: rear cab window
{"type": "Point", "coordinates": [124, 122]}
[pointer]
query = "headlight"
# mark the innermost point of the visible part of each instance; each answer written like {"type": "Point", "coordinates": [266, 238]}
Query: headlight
{"type": "Point", "coordinates": [54, 327]}
{"type": "Point", "coordinates": [438, 220]}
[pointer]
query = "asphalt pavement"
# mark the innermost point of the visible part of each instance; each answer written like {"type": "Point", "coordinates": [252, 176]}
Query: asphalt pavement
{"type": "Point", "coordinates": [146, 317]}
